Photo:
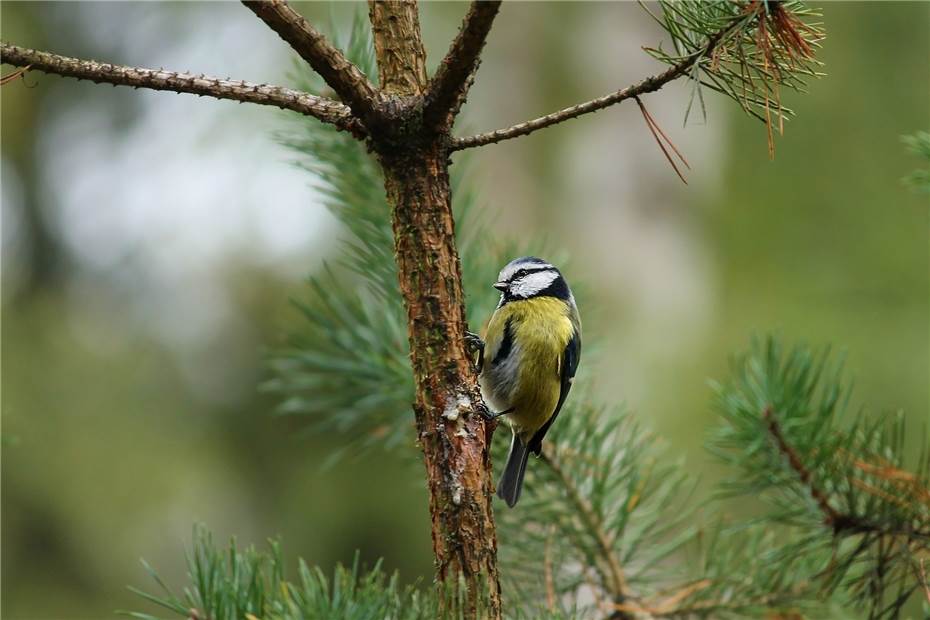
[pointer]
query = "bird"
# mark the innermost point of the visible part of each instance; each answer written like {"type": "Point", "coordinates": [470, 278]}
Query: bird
{"type": "Point", "coordinates": [527, 359]}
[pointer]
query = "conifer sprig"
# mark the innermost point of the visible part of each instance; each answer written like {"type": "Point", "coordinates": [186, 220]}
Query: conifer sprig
{"type": "Point", "coordinates": [766, 45]}
{"type": "Point", "coordinates": [841, 481]}
{"type": "Point", "coordinates": [612, 524]}
{"type": "Point", "coordinates": [605, 503]}
{"type": "Point", "coordinates": [233, 584]}
{"type": "Point", "coordinates": [918, 143]}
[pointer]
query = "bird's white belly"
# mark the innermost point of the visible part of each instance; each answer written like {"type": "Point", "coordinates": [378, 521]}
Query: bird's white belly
{"type": "Point", "coordinates": [498, 381]}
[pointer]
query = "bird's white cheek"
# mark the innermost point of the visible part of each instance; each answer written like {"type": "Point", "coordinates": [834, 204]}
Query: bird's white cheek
{"type": "Point", "coordinates": [533, 283]}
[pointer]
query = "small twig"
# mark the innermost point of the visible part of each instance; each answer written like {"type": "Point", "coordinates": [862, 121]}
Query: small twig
{"type": "Point", "coordinates": [648, 85]}
{"type": "Point", "coordinates": [656, 132]}
{"type": "Point", "coordinates": [341, 75]}
{"type": "Point", "coordinates": [837, 520]}
{"type": "Point", "coordinates": [704, 608]}
{"type": "Point", "coordinates": [455, 73]}
{"type": "Point", "coordinates": [324, 109]}
{"type": "Point", "coordinates": [831, 516]}
{"type": "Point", "coordinates": [672, 602]}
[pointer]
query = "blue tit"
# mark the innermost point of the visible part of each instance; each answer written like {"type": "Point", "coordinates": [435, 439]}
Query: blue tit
{"type": "Point", "coordinates": [528, 359]}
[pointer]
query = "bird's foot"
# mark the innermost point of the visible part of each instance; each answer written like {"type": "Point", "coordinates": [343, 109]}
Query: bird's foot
{"type": "Point", "coordinates": [489, 416]}
{"type": "Point", "coordinates": [474, 342]}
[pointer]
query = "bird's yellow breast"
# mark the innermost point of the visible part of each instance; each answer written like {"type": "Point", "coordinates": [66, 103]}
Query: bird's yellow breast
{"type": "Point", "coordinates": [529, 379]}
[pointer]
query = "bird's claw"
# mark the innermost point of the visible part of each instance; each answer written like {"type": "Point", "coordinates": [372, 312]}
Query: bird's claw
{"type": "Point", "coordinates": [488, 416]}
{"type": "Point", "coordinates": [474, 342]}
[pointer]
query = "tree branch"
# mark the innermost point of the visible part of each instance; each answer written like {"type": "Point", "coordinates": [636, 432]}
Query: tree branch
{"type": "Point", "coordinates": [341, 75]}
{"type": "Point", "coordinates": [648, 85]}
{"type": "Point", "coordinates": [448, 88]}
{"type": "Point", "coordinates": [324, 109]}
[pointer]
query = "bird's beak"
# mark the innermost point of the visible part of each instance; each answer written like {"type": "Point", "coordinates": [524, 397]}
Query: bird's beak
{"type": "Point", "coordinates": [501, 286]}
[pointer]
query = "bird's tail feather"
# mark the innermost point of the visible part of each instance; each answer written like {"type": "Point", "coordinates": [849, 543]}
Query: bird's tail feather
{"type": "Point", "coordinates": [511, 482]}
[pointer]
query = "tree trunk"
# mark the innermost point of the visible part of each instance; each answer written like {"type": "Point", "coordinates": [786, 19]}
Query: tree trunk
{"type": "Point", "coordinates": [453, 436]}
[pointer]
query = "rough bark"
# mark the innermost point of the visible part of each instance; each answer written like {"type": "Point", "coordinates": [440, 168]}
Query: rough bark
{"type": "Point", "coordinates": [196, 84]}
{"type": "Point", "coordinates": [453, 436]}
{"type": "Point", "coordinates": [398, 46]}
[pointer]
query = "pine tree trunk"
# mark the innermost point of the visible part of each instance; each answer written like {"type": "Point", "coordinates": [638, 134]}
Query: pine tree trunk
{"type": "Point", "coordinates": [453, 437]}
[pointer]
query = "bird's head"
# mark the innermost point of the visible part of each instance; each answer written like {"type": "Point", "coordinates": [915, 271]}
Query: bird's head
{"type": "Point", "coordinates": [528, 277]}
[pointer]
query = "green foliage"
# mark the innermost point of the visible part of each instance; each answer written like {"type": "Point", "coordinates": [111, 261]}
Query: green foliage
{"type": "Point", "coordinates": [223, 584]}
{"type": "Point", "coordinates": [607, 517]}
{"type": "Point", "coordinates": [764, 46]}
{"type": "Point", "coordinates": [840, 482]}
{"type": "Point", "coordinates": [348, 369]}
{"type": "Point", "coordinates": [919, 144]}
{"type": "Point", "coordinates": [738, 574]}
{"type": "Point", "coordinates": [230, 584]}
{"type": "Point", "coordinates": [602, 496]}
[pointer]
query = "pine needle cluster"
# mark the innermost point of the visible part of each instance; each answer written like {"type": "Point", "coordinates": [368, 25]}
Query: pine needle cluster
{"type": "Point", "coordinates": [229, 583]}
{"type": "Point", "coordinates": [764, 45]}
{"type": "Point", "coordinates": [839, 481]}
{"type": "Point", "coordinates": [919, 144]}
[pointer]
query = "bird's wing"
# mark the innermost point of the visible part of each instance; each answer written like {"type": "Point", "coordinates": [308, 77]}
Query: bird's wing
{"type": "Point", "coordinates": [568, 364]}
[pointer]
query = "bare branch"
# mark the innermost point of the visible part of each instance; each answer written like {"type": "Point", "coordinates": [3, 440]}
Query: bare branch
{"type": "Point", "coordinates": [450, 85]}
{"type": "Point", "coordinates": [341, 75]}
{"type": "Point", "coordinates": [649, 85]}
{"type": "Point", "coordinates": [324, 109]}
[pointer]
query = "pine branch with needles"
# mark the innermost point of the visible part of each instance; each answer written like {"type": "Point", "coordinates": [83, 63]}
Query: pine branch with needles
{"type": "Point", "coordinates": [838, 478]}
{"type": "Point", "coordinates": [746, 50]}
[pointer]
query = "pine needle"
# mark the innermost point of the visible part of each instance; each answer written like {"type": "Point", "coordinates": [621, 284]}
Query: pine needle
{"type": "Point", "coordinates": [656, 133]}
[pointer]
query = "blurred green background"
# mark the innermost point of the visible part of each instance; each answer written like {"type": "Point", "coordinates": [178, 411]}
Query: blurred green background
{"type": "Point", "coordinates": [151, 242]}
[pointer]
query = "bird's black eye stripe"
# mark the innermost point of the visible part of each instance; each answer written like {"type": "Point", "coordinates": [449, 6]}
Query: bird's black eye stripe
{"type": "Point", "coordinates": [524, 272]}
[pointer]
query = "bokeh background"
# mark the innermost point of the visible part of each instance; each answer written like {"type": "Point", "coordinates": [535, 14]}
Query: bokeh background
{"type": "Point", "coordinates": [151, 242]}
